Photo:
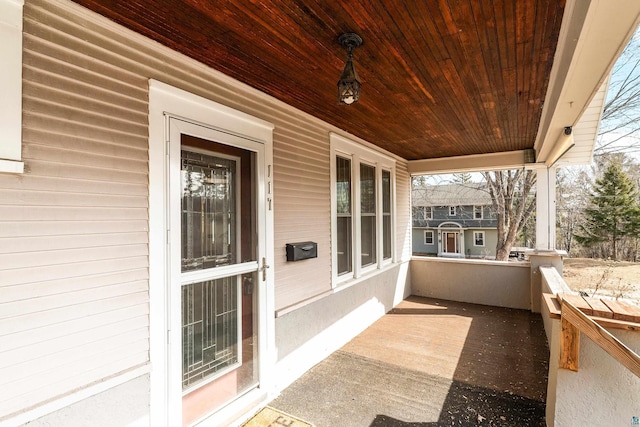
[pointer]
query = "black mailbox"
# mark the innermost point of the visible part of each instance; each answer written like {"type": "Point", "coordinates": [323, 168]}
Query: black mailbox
{"type": "Point", "coordinates": [301, 250]}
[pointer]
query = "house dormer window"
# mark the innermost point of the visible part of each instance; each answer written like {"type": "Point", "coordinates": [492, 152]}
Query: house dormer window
{"type": "Point", "coordinates": [452, 211]}
{"type": "Point", "coordinates": [428, 212]}
{"type": "Point", "coordinates": [477, 212]}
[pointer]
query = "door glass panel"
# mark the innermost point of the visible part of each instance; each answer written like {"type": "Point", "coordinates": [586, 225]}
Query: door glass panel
{"type": "Point", "coordinates": [209, 328]}
{"type": "Point", "coordinates": [220, 343]}
{"type": "Point", "coordinates": [209, 205]}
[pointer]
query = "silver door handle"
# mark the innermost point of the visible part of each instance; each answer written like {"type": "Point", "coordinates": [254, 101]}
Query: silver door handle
{"type": "Point", "coordinates": [264, 269]}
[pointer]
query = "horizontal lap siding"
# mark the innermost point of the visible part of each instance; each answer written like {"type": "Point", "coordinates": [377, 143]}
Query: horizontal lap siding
{"type": "Point", "coordinates": [403, 211]}
{"type": "Point", "coordinates": [302, 213]}
{"type": "Point", "coordinates": [74, 227]}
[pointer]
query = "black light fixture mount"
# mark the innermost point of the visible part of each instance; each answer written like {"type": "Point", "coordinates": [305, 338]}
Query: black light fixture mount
{"type": "Point", "coordinates": [349, 83]}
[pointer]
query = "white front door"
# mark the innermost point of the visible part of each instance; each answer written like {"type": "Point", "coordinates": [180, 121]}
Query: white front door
{"type": "Point", "coordinates": [216, 261]}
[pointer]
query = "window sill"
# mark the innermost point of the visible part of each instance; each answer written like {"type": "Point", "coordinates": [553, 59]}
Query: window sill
{"type": "Point", "coordinates": [11, 166]}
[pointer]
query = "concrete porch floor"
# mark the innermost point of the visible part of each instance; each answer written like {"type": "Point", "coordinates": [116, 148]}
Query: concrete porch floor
{"type": "Point", "coordinates": [431, 363]}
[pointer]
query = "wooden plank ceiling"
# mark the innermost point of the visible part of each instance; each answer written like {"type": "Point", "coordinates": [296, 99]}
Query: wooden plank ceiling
{"type": "Point", "coordinates": [439, 77]}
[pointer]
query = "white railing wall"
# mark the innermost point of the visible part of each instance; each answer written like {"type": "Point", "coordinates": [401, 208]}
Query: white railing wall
{"type": "Point", "coordinates": [497, 283]}
{"type": "Point", "coordinates": [602, 392]}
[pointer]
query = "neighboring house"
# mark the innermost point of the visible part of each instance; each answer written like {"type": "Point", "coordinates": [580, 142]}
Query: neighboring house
{"type": "Point", "coordinates": [157, 157]}
{"type": "Point", "coordinates": [454, 220]}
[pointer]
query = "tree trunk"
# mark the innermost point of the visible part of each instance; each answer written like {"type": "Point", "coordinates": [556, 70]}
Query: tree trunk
{"type": "Point", "coordinates": [502, 254]}
{"type": "Point", "coordinates": [509, 191]}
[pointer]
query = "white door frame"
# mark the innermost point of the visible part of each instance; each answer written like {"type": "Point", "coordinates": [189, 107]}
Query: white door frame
{"type": "Point", "coordinates": [167, 101]}
{"type": "Point", "coordinates": [450, 227]}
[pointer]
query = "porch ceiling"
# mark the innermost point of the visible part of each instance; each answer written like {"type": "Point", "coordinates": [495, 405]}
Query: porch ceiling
{"type": "Point", "coordinates": [440, 78]}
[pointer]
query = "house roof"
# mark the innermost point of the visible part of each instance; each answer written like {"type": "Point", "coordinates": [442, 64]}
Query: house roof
{"type": "Point", "coordinates": [440, 79]}
{"type": "Point", "coordinates": [451, 195]}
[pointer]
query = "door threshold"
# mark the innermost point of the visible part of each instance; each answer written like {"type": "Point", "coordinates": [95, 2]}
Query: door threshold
{"type": "Point", "coordinates": [238, 412]}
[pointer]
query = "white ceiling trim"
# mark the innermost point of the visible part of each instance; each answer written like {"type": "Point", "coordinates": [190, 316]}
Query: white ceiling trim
{"type": "Point", "coordinates": [471, 163]}
{"type": "Point", "coordinates": [592, 36]}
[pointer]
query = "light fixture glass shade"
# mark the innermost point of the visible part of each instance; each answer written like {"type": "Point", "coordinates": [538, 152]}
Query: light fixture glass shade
{"type": "Point", "coordinates": [349, 84]}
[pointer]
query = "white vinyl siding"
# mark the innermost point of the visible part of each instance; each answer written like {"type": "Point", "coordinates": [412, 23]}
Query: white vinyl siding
{"type": "Point", "coordinates": [402, 217]}
{"type": "Point", "coordinates": [74, 242]}
{"type": "Point", "coordinates": [74, 239]}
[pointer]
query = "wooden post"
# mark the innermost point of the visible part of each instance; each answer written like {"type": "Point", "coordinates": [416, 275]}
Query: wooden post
{"type": "Point", "coordinates": [569, 344]}
{"type": "Point", "coordinates": [577, 321]}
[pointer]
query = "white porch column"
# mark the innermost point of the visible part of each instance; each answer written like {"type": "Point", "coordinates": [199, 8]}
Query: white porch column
{"type": "Point", "coordinates": [545, 253]}
{"type": "Point", "coordinates": [546, 208]}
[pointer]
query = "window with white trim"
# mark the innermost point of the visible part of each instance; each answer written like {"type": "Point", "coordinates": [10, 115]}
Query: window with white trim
{"type": "Point", "coordinates": [452, 211]}
{"type": "Point", "coordinates": [11, 86]}
{"type": "Point", "coordinates": [362, 199]}
{"type": "Point", "coordinates": [422, 212]}
{"type": "Point", "coordinates": [477, 212]}
{"type": "Point", "coordinates": [478, 238]}
{"type": "Point", "coordinates": [368, 210]}
{"type": "Point", "coordinates": [428, 212]}
{"type": "Point", "coordinates": [428, 237]}
{"type": "Point", "coordinates": [344, 222]}
{"type": "Point", "coordinates": [386, 215]}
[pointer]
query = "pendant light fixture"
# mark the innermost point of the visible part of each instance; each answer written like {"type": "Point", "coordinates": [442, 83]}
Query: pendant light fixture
{"type": "Point", "coordinates": [349, 83]}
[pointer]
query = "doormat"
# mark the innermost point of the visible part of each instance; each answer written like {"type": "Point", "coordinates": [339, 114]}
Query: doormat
{"type": "Point", "coordinates": [269, 417]}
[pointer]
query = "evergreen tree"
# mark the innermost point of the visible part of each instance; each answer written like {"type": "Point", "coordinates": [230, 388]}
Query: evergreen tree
{"type": "Point", "coordinates": [614, 211]}
{"type": "Point", "coordinates": [462, 178]}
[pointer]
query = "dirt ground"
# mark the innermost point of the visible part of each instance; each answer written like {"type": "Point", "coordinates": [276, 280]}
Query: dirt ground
{"type": "Point", "coordinates": [598, 277]}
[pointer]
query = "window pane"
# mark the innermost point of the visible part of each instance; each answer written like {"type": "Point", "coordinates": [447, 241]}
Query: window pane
{"type": "Point", "coordinates": [477, 212]}
{"type": "Point", "coordinates": [208, 211]}
{"type": "Point", "coordinates": [343, 185]}
{"type": "Point", "coordinates": [367, 189]}
{"type": "Point", "coordinates": [368, 240]}
{"type": "Point", "coordinates": [344, 223]}
{"type": "Point", "coordinates": [368, 214]}
{"type": "Point", "coordinates": [209, 329]}
{"type": "Point", "coordinates": [428, 237]}
{"type": "Point", "coordinates": [386, 214]}
{"type": "Point", "coordinates": [344, 245]}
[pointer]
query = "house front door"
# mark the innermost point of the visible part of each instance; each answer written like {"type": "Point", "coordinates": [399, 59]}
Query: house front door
{"type": "Point", "coordinates": [451, 243]}
{"type": "Point", "coordinates": [216, 262]}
